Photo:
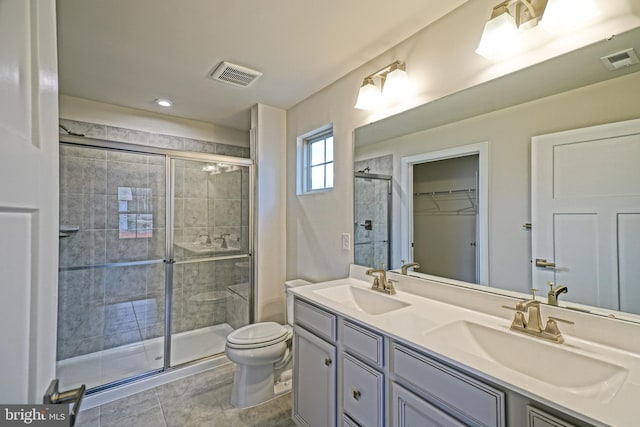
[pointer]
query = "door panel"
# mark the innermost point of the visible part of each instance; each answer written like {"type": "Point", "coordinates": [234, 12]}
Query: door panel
{"type": "Point", "coordinates": [210, 281]}
{"type": "Point", "coordinates": [585, 195]}
{"type": "Point", "coordinates": [112, 276]}
{"type": "Point", "coordinates": [628, 238]}
{"type": "Point", "coordinates": [576, 243]}
{"type": "Point", "coordinates": [28, 198]}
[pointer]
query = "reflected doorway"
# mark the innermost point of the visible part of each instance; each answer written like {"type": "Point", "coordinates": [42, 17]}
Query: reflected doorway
{"type": "Point", "coordinates": [444, 218]}
{"type": "Point", "coordinates": [445, 211]}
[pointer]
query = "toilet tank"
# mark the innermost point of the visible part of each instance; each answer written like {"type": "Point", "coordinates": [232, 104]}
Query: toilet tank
{"type": "Point", "coordinates": [289, 297]}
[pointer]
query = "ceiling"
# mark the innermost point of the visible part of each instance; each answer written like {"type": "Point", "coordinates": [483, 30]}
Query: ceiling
{"type": "Point", "coordinates": [130, 52]}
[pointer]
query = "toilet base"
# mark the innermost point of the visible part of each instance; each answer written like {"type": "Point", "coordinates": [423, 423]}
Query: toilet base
{"type": "Point", "coordinates": [256, 385]}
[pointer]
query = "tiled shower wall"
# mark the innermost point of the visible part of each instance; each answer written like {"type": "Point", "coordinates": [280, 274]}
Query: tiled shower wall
{"type": "Point", "coordinates": [104, 308]}
{"type": "Point", "coordinates": [370, 203]}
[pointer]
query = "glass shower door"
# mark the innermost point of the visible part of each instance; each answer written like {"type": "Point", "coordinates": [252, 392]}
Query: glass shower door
{"type": "Point", "coordinates": [372, 210]}
{"type": "Point", "coordinates": [211, 256]}
{"type": "Point", "coordinates": [111, 265]}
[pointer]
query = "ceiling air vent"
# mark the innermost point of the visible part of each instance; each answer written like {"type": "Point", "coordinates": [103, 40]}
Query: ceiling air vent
{"type": "Point", "coordinates": [620, 59]}
{"type": "Point", "coordinates": [233, 74]}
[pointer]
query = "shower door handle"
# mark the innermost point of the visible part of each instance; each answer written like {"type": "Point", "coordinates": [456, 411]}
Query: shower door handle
{"type": "Point", "coordinates": [53, 396]}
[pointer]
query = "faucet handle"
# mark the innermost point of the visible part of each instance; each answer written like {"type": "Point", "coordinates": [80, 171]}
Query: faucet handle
{"type": "Point", "coordinates": [558, 319]}
{"type": "Point", "coordinates": [533, 293]}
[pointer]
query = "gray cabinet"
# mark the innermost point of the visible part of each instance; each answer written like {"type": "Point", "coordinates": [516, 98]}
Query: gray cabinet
{"type": "Point", "coordinates": [314, 380]}
{"type": "Point", "coordinates": [346, 373]}
{"type": "Point", "coordinates": [314, 366]}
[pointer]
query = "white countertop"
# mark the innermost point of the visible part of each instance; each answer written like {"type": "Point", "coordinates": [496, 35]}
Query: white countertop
{"type": "Point", "coordinates": [615, 403]}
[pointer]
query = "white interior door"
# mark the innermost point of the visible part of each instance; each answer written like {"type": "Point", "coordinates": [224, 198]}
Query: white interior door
{"type": "Point", "coordinates": [586, 214]}
{"type": "Point", "coordinates": [28, 198]}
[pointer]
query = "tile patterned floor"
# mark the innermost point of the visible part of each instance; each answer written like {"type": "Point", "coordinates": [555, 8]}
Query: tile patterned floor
{"type": "Point", "coordinates": [200, 400]}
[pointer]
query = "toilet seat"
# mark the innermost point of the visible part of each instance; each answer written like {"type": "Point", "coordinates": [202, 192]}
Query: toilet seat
{"type": "Point", "coordinates": [257, 335]}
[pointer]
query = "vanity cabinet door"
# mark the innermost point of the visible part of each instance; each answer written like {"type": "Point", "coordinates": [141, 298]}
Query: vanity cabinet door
{"type": "Point", "coordinates": [314, 380]}
{"type": "Point", "coordinates": [410, 410]}
{"type": "Point", "coordinates": [362, 392]}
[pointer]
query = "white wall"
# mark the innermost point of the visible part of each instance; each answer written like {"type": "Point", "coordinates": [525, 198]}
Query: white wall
{"type": "Point", "coordinates": [269, 130]}
{"type": "Point", "coordinates": [440, 60]}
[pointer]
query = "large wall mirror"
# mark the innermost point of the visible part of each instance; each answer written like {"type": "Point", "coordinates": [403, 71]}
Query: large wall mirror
{"type": "Point", "coordinates": [573, 91]}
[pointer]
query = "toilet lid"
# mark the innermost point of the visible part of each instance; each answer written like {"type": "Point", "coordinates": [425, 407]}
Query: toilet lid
{"type": "Point", "coordinates": [258, 333]}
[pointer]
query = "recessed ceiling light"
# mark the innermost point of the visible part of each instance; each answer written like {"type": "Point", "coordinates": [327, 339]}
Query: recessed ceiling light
{"type": "Point", "coordinates": [164, 102]}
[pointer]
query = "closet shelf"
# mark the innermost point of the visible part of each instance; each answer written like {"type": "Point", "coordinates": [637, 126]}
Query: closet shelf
{"type": "Point", "coordinates": [445, 193]}
{"type": "Point", "coordinates": [448, 202]}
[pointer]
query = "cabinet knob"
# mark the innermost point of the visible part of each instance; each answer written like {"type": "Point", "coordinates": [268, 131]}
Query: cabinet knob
{"type": "Point", "coordinates": [356, 394]}
{"type": "Point", "coordinates": [328, 361]}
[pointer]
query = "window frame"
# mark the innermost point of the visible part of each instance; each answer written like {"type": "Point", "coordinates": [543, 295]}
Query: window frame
{"type": "Point", "coordinates": [305, 164]}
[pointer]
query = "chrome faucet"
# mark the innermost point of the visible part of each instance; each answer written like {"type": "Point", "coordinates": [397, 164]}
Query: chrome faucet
{"type": "Point", "coordinates": [552, 295]}
{"type": "Point", "coordinates": [532, 325]}
{"type": "Point", "coordinates": [380, 282]}
{"type": "Point", "coordinates": [223, 237]}
{"type": "Point", "coordinates": [405, 267]}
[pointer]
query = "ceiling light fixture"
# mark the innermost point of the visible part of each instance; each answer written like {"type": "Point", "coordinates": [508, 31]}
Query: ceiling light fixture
{"type": "Point", "coordinates": [164, 102]}
{"type": "Point", "coordinates": [502, 35]}
{"type": "Point", "coordinates": [394, 83]}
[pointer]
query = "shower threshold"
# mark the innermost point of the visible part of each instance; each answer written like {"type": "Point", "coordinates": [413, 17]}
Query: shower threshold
{"type": "Point", "coordinates": [106, 366]}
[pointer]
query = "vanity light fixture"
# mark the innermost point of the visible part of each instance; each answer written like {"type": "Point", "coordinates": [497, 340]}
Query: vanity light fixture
{"type": "Point", "coordinates": [561, 16]}
{"type": "Point", "coordinates": [502, 35]}
{"type": "Point", "coordinates": [369, 97]}
{"type": "Point", "coordinates": [164, 102]}
{"type": "Point", "coordinates": [394, 83]}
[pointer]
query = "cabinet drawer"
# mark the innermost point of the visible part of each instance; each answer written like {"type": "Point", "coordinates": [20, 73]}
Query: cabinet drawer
{"type": "Point", "coordinates": [469, 400]}
{"type": "Point", "coordinates": [362, 392]}
{"type": "Point", "coordinates": [315, 319]}
{"type": "Point", "coordinates": [539, 418]}
{"type": "Point", "coordinates": [411, 410]}
{"type": "Point", "coordinates": [362, 343]}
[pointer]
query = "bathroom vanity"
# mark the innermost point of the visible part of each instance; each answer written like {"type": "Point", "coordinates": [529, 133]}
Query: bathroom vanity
{"type": "Point", "coordinates": [363, 358]}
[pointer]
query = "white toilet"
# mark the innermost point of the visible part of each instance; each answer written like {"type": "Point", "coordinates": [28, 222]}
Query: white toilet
{"type": "Point", "coordinates": [262, 353]}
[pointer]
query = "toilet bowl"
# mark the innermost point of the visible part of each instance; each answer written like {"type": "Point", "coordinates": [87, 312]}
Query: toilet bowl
{"type": "Point", "coordinates": [262, 354]}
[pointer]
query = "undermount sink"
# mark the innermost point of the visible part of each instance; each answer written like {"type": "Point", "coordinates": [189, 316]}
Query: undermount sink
{"type": "Point", "coordinates": [365, 300]}
{"type": "Point", "coordinates": [550, 363]}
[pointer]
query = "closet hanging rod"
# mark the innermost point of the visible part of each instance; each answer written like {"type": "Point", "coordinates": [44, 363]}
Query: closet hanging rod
{"type": "Point", "coordinates": [445, 192]}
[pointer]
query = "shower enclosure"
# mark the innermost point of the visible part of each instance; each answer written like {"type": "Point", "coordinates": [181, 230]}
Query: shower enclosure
{"type": "Point", "coordinates": [372, 219]}
{"type": "Point", "coordinates": [155, 265]}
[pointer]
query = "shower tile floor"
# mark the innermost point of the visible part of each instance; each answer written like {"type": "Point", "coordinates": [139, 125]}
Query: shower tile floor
{"type": "Point", "coordinates": [201, 400]}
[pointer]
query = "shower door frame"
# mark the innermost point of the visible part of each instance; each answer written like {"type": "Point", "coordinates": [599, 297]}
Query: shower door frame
{"type": "Point", "coordinates": [169, 261]}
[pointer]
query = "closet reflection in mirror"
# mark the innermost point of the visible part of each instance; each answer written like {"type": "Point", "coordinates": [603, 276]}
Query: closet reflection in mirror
{"type": "Point", "coordinates": [507, 113]}
{"type": "Point", "coordinates": [445, 209]}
